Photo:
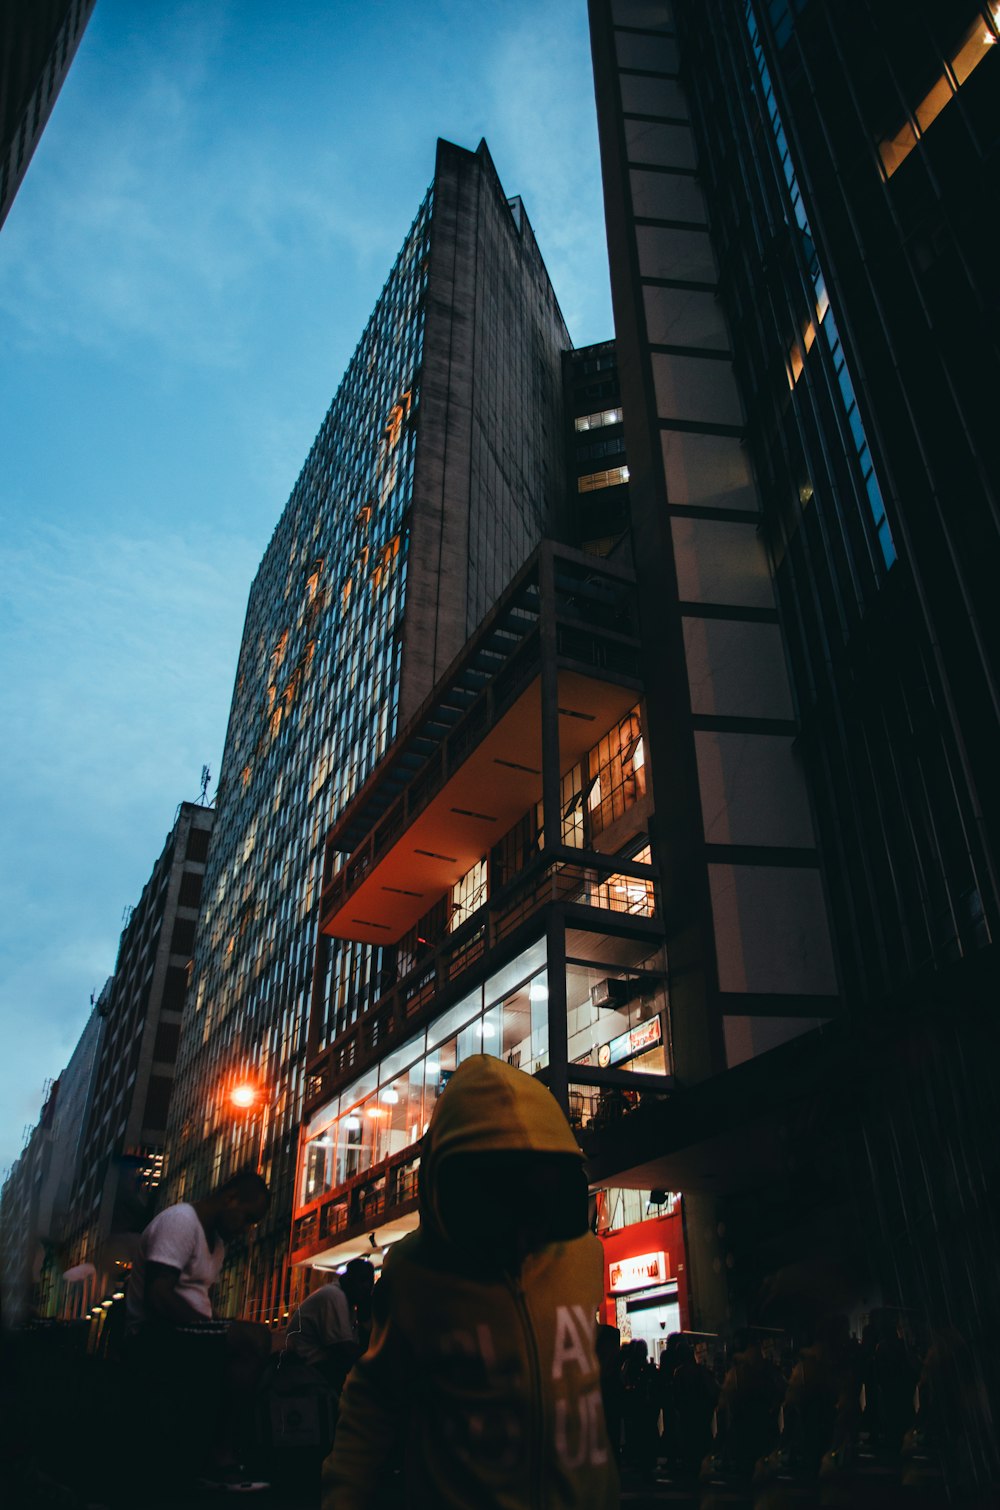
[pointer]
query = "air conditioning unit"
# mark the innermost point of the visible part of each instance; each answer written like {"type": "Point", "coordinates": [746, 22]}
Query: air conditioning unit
{"type": "Point", "coordinates": [609, 993]}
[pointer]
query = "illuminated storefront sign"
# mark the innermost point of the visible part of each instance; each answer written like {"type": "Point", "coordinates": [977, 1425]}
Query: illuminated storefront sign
{"type": "Point", "coordinates": [627, 1045]}
{"type": "Point", "coordinates": [638, 1273]}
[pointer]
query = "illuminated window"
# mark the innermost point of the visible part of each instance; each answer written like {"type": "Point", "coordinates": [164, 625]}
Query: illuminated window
{"type": "Point", "coordinates": [630, 894]}
{"type": "Point", "coordinates": [312, 581]}
{"type": "Point", "coordinates": [386, 556]}
{"type": "Point", "coordinates": [571, 804]}
{"type": "Point", "coordinates": [468, 895]}
{"type": "Point", "coordinates": [597, 480]}
{"type": "Point", "coordinates": [844, 389]}
{"type": "Point", "coordinates": [598, 420]}
{"type": "Point", "coordinates": [617, 773]}
{"type": "Point", "coordinates": [615, 1018]}
{"type": "Point", "coordinates": [279, 651]}
{"type": "Point", "coordinates": [394, 424]}
{"type": "Point", "coordinates": [973, 47]}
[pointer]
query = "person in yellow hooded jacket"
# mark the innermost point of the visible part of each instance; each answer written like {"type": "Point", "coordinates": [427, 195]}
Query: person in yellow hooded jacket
{"type": "Point", "coordinates": [481, 1381]}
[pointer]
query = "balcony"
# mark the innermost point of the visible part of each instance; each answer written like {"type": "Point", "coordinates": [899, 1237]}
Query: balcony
{"type": "Point", "coordinates": [336, 1224]}
{"type": "Point", "coordinates": [565, 668]}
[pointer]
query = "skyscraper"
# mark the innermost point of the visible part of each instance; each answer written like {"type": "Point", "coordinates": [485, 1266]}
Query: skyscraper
{"type": "Point", "coordinates": [802, 281]}
{"type": "Point", "coordinates": [437, 469]}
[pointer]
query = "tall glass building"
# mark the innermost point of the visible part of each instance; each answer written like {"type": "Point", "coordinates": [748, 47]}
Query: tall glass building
{"type": "Point", "coordinates": [435, 472]}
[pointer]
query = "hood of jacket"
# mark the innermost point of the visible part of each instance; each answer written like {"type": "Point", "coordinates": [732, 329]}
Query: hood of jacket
{"type": "Point", "coordinates": [488, 1107]}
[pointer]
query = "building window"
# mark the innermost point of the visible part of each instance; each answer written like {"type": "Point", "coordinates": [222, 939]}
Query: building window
{"type": "Point", "coordinates": [468, 895]}
{"type": "Point", "coordinates": [598, 420]}
{"type": "Point", "coordinates": [596, 480]}
{"type": "Point", "coordinates": [615, 1019]}
{"type": "Point", "coordinates": [617, 773]}
{"type": "Point", "coordinates": [971, 49]}
{"type": "Point", "coordinates": [635, 895]}
{"type": "Point", "coordinates": [389, 1108]}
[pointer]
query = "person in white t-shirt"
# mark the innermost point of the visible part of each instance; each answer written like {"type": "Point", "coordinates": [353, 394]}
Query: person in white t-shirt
{"type": "Point", "coordinates": [179, 1344]}
{"type": "Point", "coordinates": [182, 1250]}
{"type": "Point", "coordinates": [324, 1332]}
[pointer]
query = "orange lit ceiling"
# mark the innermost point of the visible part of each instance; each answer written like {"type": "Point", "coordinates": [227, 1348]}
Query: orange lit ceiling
{"type": "Point", "coordinates": [499, 782]}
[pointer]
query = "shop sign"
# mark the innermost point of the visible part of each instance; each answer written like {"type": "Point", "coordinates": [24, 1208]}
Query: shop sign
{"type": "Point", "coordinates": [627, 1045]}
{"type": "Point", "coordinates": [638, 1273]}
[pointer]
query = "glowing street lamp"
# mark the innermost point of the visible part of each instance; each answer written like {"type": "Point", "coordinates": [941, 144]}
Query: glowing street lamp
{"type": "Point", "coordinates": [247, 1097]}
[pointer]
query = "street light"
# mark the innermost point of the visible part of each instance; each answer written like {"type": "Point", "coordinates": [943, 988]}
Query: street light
{"type": "Point", "coordinates": [245, 1096]}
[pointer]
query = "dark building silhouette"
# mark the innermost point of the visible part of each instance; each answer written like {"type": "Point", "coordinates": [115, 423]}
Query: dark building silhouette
{"type": "Point", "coordinates": [39, 1188]}
{"type": "Point", "coordinates": [597, 513]}
{"type": "Point", "coordinates": [38, 40]}
{"type": "Point", "coordinates": [122, 1135]}
{"type": "Point", "coordinates": [805, 320]}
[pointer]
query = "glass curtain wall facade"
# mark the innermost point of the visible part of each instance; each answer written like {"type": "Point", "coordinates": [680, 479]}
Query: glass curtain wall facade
{"type": "Point", "coordinates": [315, 706]}
{"type": "Point", "coordinates": [906, 864]}
{"type": "Point", "coordinates": [796, 190]}
{"type": "Point", "coordinates": [342, 629]}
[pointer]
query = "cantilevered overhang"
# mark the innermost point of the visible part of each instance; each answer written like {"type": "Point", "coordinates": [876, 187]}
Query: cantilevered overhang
{"type": "Point", "coordinates": [334, 1252]}
{"type": "Point", "coordinates": [498, 782]}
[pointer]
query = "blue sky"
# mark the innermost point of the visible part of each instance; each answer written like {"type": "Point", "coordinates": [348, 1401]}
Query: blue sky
{"type": "Point", "coordinates": [203, 230]}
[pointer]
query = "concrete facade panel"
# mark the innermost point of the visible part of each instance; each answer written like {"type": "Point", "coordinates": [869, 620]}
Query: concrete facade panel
{"type": "Point", "coordinates": [642, 95]}
{"type": "Point", "coordinates": [752, 790]}
{"type": "Point", "coordinates": [707, 471]}
{"type": "Point", "coordinates": [667, 196]}
{"type": "Point", "coordinates": [771, 933]}
{"type": "Point", "coordinates": [658, 54]}
{"type": "Point", "coordinates": [665, 252]}
{"type": "Point", "coordinates": [666, 146]}
{"type": "Point", "coordinates": [684, 317]}
{"type": "Point", "coordinates": [736, 669]}
{"type": "Point", "coordinates": [721, 561]}
{"type": "Point", "coordinates": [695, 388]}
{"type": "Point", "coordinates": [746, 1037]}
{"type": "Point", "coordinates": [650, 15]}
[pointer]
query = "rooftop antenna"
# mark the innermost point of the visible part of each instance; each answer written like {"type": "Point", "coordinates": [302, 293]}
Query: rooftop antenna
{"type": "Point", "coordinates": [206, 776]}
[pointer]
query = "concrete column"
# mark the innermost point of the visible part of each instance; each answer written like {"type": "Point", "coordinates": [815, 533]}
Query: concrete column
{"type": "Point", "coordinates": [550, 700]}
{"type": "Point", "coordinates": [555, 943]}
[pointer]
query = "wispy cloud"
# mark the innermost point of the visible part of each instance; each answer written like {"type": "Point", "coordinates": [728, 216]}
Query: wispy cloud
{"type": "Point", "coordinates": [164, 224]}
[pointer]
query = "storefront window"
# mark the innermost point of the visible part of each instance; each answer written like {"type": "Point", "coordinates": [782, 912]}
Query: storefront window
{"type": "Point", "coordinates": [616, 1003]}
{"type": "Point", "coordinates": [387, 1110]}
{"type": "Point", "coordinates": [517, 1000]}
{"type": "Point", "coordinates": [615, 1019]}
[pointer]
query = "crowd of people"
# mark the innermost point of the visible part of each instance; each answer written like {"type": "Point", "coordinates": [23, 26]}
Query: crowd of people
{"type": "Point", "coordinates": [758, 1408]}
{"type": "Point", "coordinates": [473, 1373]}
